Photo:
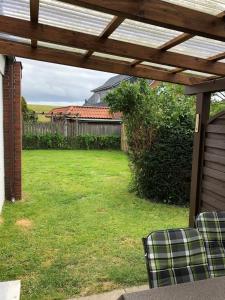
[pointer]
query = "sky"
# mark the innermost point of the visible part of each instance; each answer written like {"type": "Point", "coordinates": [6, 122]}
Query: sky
{"type": "Point", "coordinates": [52, 84]}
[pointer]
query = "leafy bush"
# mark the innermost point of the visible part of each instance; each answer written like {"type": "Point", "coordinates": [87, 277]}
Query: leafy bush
{"type": "Point", "coordinates": [58, 141]}
{"type": "Point", "coordinates": [159, 124]}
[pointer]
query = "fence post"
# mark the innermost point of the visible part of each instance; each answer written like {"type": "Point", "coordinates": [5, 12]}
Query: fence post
{"type": "Point", "coordinates": [202, 117]}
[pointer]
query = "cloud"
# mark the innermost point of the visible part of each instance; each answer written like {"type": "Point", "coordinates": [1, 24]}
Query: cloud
{"type": "Point", "coordinates": [48, 83]}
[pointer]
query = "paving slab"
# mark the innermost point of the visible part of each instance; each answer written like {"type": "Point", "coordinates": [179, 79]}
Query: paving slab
{"type": "Point", "coordinates": [114, 295]}
{"type": "Point", "coordinates": [10, 290]}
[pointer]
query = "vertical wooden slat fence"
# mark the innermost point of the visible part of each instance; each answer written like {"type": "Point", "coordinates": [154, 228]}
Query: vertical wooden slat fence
{"type": "Point", "coordinates": [73, 128]}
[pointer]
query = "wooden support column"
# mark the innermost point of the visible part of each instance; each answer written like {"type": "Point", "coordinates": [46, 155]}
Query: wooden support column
{"type": "Point", "coordinates": [202, 117]}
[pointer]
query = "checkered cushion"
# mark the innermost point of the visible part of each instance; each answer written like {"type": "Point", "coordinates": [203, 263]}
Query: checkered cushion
{"type": "Point", "coordinates": [175, 256]}
{"type": "Point", "coordinates": [211, 226]}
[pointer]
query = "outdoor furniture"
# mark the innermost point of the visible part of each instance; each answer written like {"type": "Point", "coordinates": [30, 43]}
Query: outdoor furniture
{"type": "Point", "coordinates": [175, 256]}
{"type": "Point", "coordinates": [211, 225]}
{"type": "Point", "coordinates": [210, 289]}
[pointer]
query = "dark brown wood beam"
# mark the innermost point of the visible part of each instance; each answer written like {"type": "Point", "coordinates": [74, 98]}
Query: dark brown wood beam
{"type": "Point", "coordinates": [211, 86]}
{"type": "Point", "coordinates": [75, 39]}
{"type": "Point", "coordinates": [160, 13]}
{"type": "Point", "coordinates": [34, 13]}
{"type": "Point", "coordinates": [116, 21]}
{"type": "Point", "coordinates": [202, 117]}
{"type": "Point", "coordinates": [93, 63]}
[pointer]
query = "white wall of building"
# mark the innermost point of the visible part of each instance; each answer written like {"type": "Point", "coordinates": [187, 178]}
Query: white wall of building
{"type": "Point", "coordinates": [2, 171]}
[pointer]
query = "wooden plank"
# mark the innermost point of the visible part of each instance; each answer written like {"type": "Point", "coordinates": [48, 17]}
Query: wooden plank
{"type": "Point", "coordinates": [76, 39]}
{"type": "Point", "coordinates": [220, 144]}
{"type": "Point", "coordinates": [208, 86]}
{"type": "Point", "coordinates": [216, 128]}
{"type": "Point", "coordinates": [214, 174]}
{"type": "Point", "coordinates": [161, 13]}
{"type": "Point", "coordinates": [214, 166]}
{"type": "Point", "coordinates": [212, 199]}
{"type": "Point", "coordinates": [214, 158]}
{"type": "Point", "coordinates": [216, 187]}
{"type": "Point", "coordinates": [34, 13]}
{"type": "Point", "coordinates": [202, 109]}
{"type": "Point", "coordinates": [116, 21]}
{"type": "Point", "coordinates": [94, 63]}
{"type": "Point", "coordinates": [215, 151]}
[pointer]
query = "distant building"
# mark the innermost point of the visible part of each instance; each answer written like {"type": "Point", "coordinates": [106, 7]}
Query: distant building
{"type": "Point", "coordinates": [97, 99]}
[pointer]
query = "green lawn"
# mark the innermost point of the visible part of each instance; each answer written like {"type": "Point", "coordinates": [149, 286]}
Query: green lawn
{"type": "Point", "coordinates": [78, 230]}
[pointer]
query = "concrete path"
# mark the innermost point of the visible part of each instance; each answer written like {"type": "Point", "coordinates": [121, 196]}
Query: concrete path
{"type": "Point", "coordinates": [114, 295]}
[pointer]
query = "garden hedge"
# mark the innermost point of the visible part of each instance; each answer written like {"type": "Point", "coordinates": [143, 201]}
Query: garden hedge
{"type": "Point", "coordinates": [58, 141]}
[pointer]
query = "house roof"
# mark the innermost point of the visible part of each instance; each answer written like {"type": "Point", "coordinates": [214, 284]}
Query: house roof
{"type": "Point", "coordinates": [112, 82]}
{"type": "Point", "coordinates": [85, 112]}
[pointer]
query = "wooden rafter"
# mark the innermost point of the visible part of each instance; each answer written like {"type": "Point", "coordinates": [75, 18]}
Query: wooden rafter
{"type": "Point", "coordinates": [180, 39]}
{"type": "Point", "coordinates": [110, 28]}
{"type": "Point", "coordinates": [75, 39]}
{"type": "Point", "coordinates": [34, 13]}
{"type": "Point", "coordinates": [94, 63]}
{"type": "Point", "coordinates": [161, 13]}
{"type": "Point", "coordinates": [205, 87]}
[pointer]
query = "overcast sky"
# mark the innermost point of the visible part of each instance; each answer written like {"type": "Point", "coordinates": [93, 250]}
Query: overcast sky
{"type": "Point", "coordinates": [51, 84]}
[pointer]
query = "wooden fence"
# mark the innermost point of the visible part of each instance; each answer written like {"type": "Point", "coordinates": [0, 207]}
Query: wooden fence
{"type": "Point", "coordinates": [71, 129]}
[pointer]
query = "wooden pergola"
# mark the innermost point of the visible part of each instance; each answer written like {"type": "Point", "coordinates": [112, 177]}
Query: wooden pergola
{"type": "Point", "coordinates": [178, 41]}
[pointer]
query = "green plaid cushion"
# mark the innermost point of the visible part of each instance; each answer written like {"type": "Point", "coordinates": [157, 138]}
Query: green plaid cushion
{"type": "Point", "coordinates": [175, 256]}
{"type": "Point", "coordinates": [211, 225]}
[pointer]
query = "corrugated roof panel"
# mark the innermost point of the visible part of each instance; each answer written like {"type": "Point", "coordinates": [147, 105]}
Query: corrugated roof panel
{"type": "Point", "coordinates": [60, 47]}
{"type": "Point", "coordinates": [14, 38]}
{"type": "Point", "coordinates": [72, 17]}
{"type": "Point", "coordinates": [143, 34]}
{"type": "Point", "coordinates": [191, 72]}
{"type": "Point", "coordinates": [15, 8]}
{"type": "Point", "coordinates": [200, 47]}
{"type": "Point", "coordinates": [112, 57]}
{"type": "Point", "coordinates": [213, 7]}
{"type": "Point", "coordinates": [157, 65]}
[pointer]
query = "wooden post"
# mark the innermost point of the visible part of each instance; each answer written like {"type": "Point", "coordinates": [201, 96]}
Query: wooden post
{"type": "Point", "coordinates": [202, 117]}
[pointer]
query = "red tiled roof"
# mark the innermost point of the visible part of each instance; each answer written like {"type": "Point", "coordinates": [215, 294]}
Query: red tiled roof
{"type": "Point", "coordinates": [86, 112]}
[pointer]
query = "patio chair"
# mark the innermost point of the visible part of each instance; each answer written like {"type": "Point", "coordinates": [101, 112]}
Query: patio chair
{"type": "Point", "coordinates": [211, 226]}
{"type": "Point", "coordinates": [175, 256]}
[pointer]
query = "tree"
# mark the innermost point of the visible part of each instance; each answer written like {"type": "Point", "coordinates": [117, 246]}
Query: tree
{"type": "Point", "coordinates": [159, 124]}
{"type": "Point", "coordinates": [28, 114]}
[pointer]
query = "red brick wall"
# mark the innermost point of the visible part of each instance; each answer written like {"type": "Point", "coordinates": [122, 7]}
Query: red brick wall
{"type": "Point", "coordinates": [12, 130]}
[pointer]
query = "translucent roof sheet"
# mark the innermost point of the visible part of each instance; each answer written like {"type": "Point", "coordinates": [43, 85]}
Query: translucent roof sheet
{"type": "Point", "coordinates": [14, 38]}
{"type": "Point", "coordinates": [112, 57]}
{"type": "Point", "coordinates": [72, 17]}
{"type": "Point", "coordinates": [15, 8]}
{"type": "Point", "coordinates": [59, 47]}
{"type": "Point", "coordinates": [157, 65]}
{"type": "Point", "coordinates": [143, 34]}
{"type": "Point", "coordinates": [212, 7]}
{"type": "Point", "coordinates": [200, 47]}
{"type": "Point", "coordinates": [198, 73]}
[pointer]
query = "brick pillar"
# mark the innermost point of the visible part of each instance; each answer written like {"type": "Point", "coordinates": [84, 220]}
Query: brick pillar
{"type": "Point", "coordinates": [12, 130]}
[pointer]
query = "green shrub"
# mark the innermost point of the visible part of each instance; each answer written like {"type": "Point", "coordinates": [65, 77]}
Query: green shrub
{"type": "Point", "coordinates": [159, 124]}
{"type": "Point", "coordinates": [57, 141]}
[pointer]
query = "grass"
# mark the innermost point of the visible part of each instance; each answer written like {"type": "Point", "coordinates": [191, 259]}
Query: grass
{"type": "Point", "coordinates": [78, 230]}
{"type": "Point", "coordinates": [40, 109]}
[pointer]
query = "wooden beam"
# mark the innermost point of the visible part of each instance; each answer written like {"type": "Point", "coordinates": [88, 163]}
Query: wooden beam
{"type": "Point", "coordinates": [217, 57]}
{"type": "Point", "coordinates": [170, 44]}
{"type": "Point", "coordinates": [175, 41]}
{"type": "Point", "coordinates": [70, 38]}
{"type": "Point", "coordinates": [202, 117]}
{"type": "Point", "coordinates": [34, 13]}
{"type": "Point", "coordinates": [160, 13]}
{"type": "Point", "coordinates": [94, 63]}
{"type": "Point", "coordinates": [110, 28]}
{"type": "Point", "coordinates": [212, 86]}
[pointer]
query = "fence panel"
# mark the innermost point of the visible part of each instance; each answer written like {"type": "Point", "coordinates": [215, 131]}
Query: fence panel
{"type": "Point", "coordinates": [71, 129]}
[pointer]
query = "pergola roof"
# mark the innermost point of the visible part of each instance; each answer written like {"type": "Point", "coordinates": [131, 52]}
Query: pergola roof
{"type": "Point", "coordinates": [180, 41]}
